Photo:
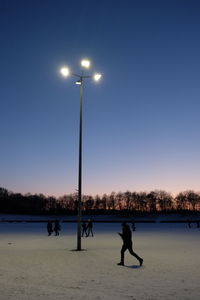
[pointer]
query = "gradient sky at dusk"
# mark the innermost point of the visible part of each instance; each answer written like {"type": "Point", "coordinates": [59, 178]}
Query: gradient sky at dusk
{"type": "Point", "coordinates": [141, 122]}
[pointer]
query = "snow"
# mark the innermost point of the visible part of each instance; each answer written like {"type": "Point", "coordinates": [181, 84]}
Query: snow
{"type": "Point", "coordinates": [35, 266]}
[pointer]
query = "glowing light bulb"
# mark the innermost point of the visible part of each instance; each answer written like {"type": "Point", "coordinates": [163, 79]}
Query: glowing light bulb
{"type": "Point", "coordinates": [64, 71]}
{"type": "Point", "coordinates": [85, 63]}
{"type": "Point", "coordinates": [97, 76]}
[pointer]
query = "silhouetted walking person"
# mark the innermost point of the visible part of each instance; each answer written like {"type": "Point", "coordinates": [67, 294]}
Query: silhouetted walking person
{"type": "Point", "coordinates": [126, 236]}
{"type": "Point", "coordinates": [198, 223]}
{"type": "Point", "coordinates": [84, 229]}
{"type": "Point", "coordinates": [49, 227]}
{"type": "Point", "coordinates": [89, 228]}
{"type": "Point", "coordinates": [57, 227]}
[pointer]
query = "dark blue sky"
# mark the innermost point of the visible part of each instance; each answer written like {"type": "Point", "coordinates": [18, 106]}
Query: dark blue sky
{"type": "Point", "coordinates": [141, 122]}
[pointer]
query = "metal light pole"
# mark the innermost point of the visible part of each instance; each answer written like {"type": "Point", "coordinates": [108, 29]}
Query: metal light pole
{"type": "Point", "coordinates": [65, 72]}
{"type": "Point", "coordinates": [80, 171]}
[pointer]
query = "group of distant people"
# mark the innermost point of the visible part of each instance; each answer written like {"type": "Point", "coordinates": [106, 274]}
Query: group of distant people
{"type": "Point", "coordinates": [190, 222]}
{"type": "Point", "coordinates": [87, 228]}
{"type": "Point", "coordinates": [53, 227]}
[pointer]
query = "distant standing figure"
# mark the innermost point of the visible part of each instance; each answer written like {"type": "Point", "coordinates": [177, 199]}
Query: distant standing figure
{"type": "Point", "coordinates": [84, 229]}
{"type": "Point", "coordinates": [126, 236]}
{"type": "Point", "coordinates": [189, 223]}
{"type": "Point", "coordinates": [89, 228]}
{"type": "Point", "coordinates": [57, 227]}
{"type": "Point", "coordinates": [133, 226]}
{"type": "Point", "coordinates": [197, 222]}
{"type": "Point", "coordinates": [49, 227]}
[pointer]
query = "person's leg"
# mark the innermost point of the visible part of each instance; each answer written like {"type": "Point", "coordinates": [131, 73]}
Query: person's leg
{"type": "Point", "coordinates": [130, 249]}
{"type": "Point", "coordinates": [124, 248]}
{"type": "Point", "coordinates": [89, 230]}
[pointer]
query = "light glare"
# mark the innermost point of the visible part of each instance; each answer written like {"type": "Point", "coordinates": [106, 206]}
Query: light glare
{"type": "Point", "coordinates": [85, 63]}
{"type": "Point", "coordinates": [64, 71]}
{"type": "Point", "coordinates": [97, 76]}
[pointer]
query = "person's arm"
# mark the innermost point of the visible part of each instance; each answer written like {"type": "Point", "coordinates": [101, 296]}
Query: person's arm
{"type": "Point", "coordinates": [121, 235]}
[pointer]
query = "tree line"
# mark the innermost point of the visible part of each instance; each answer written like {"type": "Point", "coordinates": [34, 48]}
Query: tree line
{"type": "Point", "coordinates": [121, 202]}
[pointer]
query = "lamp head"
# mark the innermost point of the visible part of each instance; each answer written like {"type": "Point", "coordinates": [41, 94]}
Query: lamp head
{"type": "Point", "coordinates": [97, 76]}
{"type": "Point", "coordinates": [85, 63]}
{"type": "Point", "coordinates": [64, 71]}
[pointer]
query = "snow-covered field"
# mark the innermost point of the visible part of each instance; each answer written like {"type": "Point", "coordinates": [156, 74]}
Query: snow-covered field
{"type": "Point", "coordinates": [34, 266]}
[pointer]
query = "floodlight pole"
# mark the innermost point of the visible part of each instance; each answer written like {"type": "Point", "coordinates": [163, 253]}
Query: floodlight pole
{"type": "Point", "coordinates": [79, 214]}
{"type": "Point", "coordinates": [65, 72]}
{"type": "Point", "coordinates": [80, 171]}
